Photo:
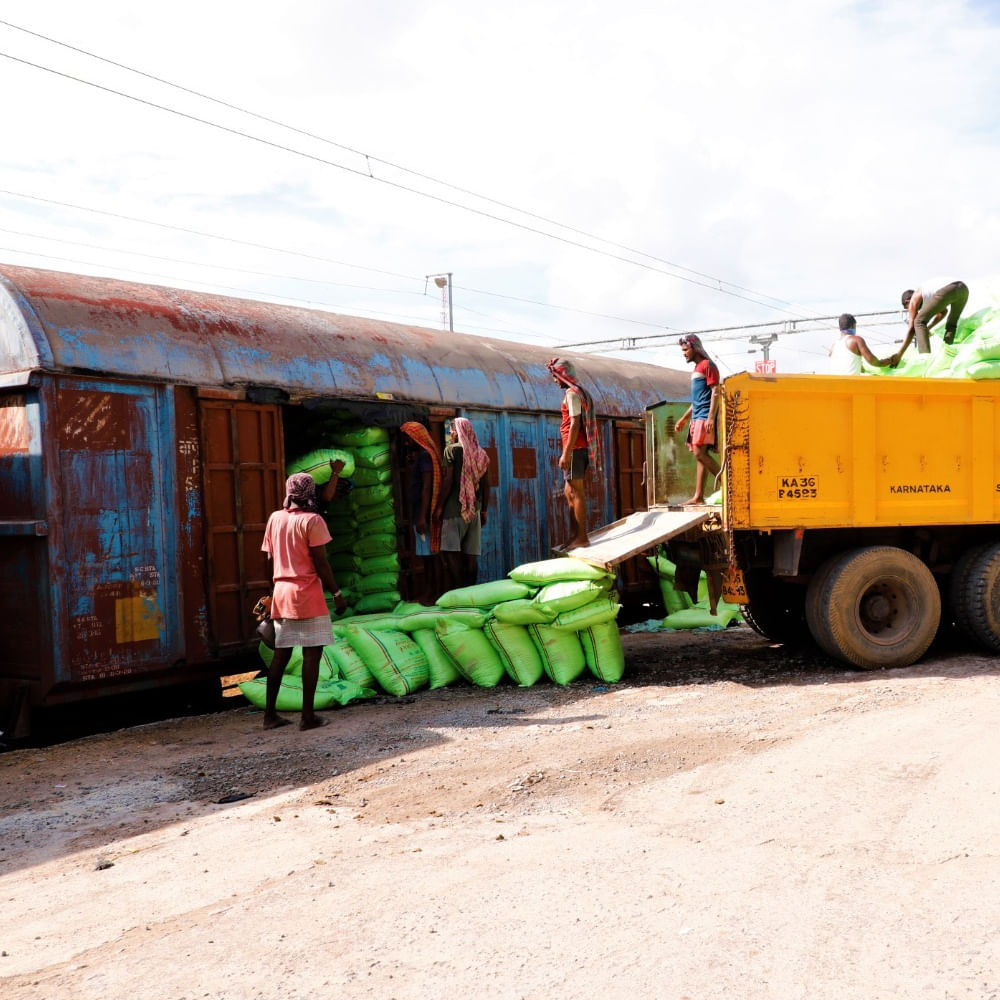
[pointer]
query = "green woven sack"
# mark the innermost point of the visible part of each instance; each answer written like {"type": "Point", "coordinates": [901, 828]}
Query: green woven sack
{"type": "Point", "coordinates": [477, 661]}
{"type": "Point", "coordinates": [344, 562]}
{"type": "Point", "coordinates": [380, 512]}
{"type": "Point", "coordinates": [441, 667]}
{"type": "Point", "coordinates": [570, 594]}
{"type": "Point", "coordinates": [375, 545]}
{"type": "Point", "coordinates": [523, 612]}
{"type": "Point", "coordinates": [328, 693]}
{"type": "Point", "coordinates": [384, 600]}
{"type": "Point", "coordinates": [375, 456]}
{"type": "Point", "coordinates": [561, 652]}
{"type": "Point", "coordinates": [484, 595]}
{"type": "Point", "coordinates": [361, 437]}
{"type": "Point", "coordinates": [328, 667]}
{"type": "Point", "coordinates": [602, 649]}
{"type": "Point", "coordinates": [597, 612]}
{"type": "Point", "coordinates": [369, 495]}
{"type": "Point", "coordinates": [428, 618]}
{"type": "Point", "coordinates": [317, 464]}
{"type": "Point", "coordinates": [553, 570]}
{"type": "Point", "coordinates": [380, 564]}
{"type": "Point", "coordinates": [517, 652]}
{"type": "Point", "coordinates": [342, 541]}
{"type": "Point", "coordinates": [395, 660]}
{"type": "Point", "coordinates": [384, 525]}
{"type": "Point", "coordinates": [371, 477]}
{"type": "Point", "coordinates": [698, 616]}
{"type": "Point", "coordinates": [377, 582]}
{"type": "Point", "coordinates": [349, 665]}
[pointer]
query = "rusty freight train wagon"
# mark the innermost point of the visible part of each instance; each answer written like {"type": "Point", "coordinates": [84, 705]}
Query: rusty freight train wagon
{"type": "Point", "coordinates": [143, 439]}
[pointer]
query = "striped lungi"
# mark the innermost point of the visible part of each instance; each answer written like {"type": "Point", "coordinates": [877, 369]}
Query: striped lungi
{"type": "Point", "coordinates": [306, 632]}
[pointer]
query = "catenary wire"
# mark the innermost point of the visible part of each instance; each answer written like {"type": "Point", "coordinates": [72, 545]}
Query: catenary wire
{"type": "Point", "coordinates": [394, 184]}
{"type": "Point", "coordinates": [389, 163]}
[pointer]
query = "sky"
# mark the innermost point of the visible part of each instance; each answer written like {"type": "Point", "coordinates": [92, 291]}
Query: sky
{"type": "Point", "coordinates": [584, 171]}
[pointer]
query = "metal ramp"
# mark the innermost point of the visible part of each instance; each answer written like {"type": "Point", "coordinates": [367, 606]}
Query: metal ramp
{"type": "Point", "coordinates": [639, 532]}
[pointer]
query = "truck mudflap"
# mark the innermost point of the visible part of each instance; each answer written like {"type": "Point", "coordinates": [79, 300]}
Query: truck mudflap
{"type": "Point", "coordinates": [639, 532]}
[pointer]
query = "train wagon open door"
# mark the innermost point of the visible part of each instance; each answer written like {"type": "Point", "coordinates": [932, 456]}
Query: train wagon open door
{"type": "Point", "coordinates": [243, 474]}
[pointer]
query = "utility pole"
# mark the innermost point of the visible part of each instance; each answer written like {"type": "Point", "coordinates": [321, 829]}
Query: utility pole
{"type": "Point", "coordinates": [443, 281]}
{"type": "Point", "coordinates": [764, 341]}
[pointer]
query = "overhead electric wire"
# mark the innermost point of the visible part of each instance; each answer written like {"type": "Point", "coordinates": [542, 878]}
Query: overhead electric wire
{"type": "Point", "coordinates": [375, 159]}
{"type": "Point", "coordinates": [395, 184]}
{"type": "Point", "coordinates": [308, 256]}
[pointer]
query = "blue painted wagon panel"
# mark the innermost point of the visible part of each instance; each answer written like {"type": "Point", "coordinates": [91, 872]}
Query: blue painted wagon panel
{"type": "Point", "coordinates": [525, 513]}
{"type": "Point", "coordinates": [118, 589]}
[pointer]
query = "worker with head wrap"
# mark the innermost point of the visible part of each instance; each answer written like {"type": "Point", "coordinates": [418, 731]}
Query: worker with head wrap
{"type": "Point", "coordinates": [295, 540]}
{"type": "Point", "coordinates": [425, 466]}
{"type": "Point", "coordinates": [580, 447]}
{"type": "Point", "coordinates": [466, 492]}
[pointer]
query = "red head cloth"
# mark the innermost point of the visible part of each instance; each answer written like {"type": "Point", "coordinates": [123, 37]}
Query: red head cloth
{"type": "Point", "coordinates": [419, 434]}
{"type": "Point", "coordinates": [475, 462]}
{"type": "Point", "coordinates": [564, 372]}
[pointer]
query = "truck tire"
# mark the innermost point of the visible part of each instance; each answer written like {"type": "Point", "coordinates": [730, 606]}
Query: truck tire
{"type": "Point", "coordinates": [962, 589]}
{"type": "Point", "coordinates": [979, 597]}
{"type": "Point", "coordinates": [876, 607]}
{"type": "Point", "coordinates": [816, 617]}
{"type": "Point", "coordinates": [775, 608]}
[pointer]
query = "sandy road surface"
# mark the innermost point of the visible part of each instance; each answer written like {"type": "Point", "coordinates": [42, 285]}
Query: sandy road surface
{"type": "Point", "coordinates": [734, 820]}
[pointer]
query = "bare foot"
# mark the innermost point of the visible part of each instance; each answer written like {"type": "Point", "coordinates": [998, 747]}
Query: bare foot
{"type": "Point", "coordinates": [276, 722]}
{"type": "Point", "coordinates": [314, 723]}
{"type": "Point", "coordinates": [694, 502]}
{"type": "Point", "coordinates": [578, 543]}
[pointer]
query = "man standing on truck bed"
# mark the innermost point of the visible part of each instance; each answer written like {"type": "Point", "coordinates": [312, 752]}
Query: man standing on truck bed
{"type": "Point", "coordinates": [701, 413]}
{"type": "Point", "coordinates": [923, 305]}
{"type": "Point", "coordinates": [580, 447]}
{"type": "Point", "coordinates": [849, 350]}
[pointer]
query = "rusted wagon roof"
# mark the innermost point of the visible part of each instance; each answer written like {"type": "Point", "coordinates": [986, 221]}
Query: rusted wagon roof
{"type": "Point", "coordinates": [59, 322]}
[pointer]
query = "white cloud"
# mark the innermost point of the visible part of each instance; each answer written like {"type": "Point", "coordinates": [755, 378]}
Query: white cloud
{"type": "Point", "coordinates": [823, 153]}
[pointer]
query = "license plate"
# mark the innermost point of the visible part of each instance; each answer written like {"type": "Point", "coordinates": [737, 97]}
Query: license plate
{"type": "Point", "coordinates": [734, 590]}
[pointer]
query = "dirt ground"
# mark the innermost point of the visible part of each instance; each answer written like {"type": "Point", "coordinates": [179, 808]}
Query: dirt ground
{"type": "Point", "coordinates": [734, 820]}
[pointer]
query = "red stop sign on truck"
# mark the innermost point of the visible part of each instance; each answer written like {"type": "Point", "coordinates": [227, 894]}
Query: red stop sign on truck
{"type": "Point", "coordinates": [766, 367]}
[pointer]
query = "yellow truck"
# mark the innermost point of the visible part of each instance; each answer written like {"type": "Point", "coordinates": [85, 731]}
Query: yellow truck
{"type": "Point", "coordinates": [860, 511]}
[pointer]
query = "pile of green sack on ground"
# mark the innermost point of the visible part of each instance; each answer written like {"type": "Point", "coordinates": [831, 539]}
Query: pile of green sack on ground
{"type": "Point", "coordinates": [682, 611]}
{"type": "Point", "coordinates": [556, 619]}
{"type": "Point", "coordinates": [362, 523]}
{"type": "Point", "coordinates": [975, 352]}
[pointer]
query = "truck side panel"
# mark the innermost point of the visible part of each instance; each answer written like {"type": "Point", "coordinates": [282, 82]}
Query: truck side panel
{"type": "Point", "coordinates": [837, 452]}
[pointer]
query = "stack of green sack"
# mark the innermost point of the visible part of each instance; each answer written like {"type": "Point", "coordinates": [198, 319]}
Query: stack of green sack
{"type": "Point", "coordinates": [362, 550]}
{"type": "Point", "coordinates": [554, 619]}
{"type": "Point", "coordinates": [682, 612]}
{"type": "Point", "coordinates": [568, 626]}
{"type": "Point", "coordinates": [975, 352]}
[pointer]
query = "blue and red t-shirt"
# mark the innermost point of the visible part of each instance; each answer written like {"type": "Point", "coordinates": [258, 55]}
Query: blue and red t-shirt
{"type": "Point", "coordinates": [703, 379]}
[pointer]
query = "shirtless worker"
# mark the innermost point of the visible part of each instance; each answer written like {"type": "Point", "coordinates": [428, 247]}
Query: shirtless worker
{"type": "Point", "coordinates": [849, 350]}
{"type": "Point", "coordinates": [926, 308]}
